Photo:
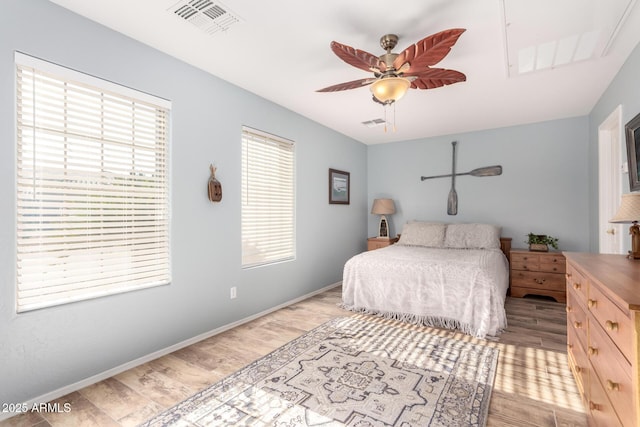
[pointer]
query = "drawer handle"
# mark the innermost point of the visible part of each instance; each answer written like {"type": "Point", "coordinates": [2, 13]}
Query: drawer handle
{"type": "Point", "coordinates": [568, 276]}
{"type": "Point", "coordinates": [594, 406]}
{"type": "Point", "coordinates": [577, 324]}
{"type": "Point", "coordinates": [592, 303]}
{"type": "Point", "coordinates": [611, 326]}
{"type": "Point", "coordinates": [611, 386]}
{"type": "Point", "coordinates": [555, 260]}
{"type": "Point", "coordinates": [592, 351]}
{"type": "Point", "coordinates": [577, 286]}
{"type": "Point", "coordinates": [578, 370]}
{"type": "Point", "coordinates": [539, 281]}
{"type": "Point", "coordinates": [568, 309]}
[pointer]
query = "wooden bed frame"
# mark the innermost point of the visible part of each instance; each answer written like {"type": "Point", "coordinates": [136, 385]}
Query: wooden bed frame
{"type": "Point", "coordinates": [505, 246]}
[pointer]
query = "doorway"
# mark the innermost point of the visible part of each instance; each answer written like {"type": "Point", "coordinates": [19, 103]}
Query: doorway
{"type": "Point", "coordinates": [610, 182]}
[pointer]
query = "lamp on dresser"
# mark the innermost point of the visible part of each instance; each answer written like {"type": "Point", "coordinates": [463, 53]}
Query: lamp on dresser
{"type": "Point", "coordinates": [629, 213]}
{"type": "Point", "coordinates": [383, 207]}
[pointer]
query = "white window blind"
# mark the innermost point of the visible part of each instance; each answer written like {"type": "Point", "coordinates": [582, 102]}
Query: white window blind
{"type": "Point", "coordinates": [268, 199]}
{"type": "Point", "coordinates": [92, 187]}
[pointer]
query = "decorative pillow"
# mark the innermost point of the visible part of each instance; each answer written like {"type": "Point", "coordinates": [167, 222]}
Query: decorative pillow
{"type": "Point", "coordinates": [421, 233]}
{"type": "Point", "coordinates": [472, 236]}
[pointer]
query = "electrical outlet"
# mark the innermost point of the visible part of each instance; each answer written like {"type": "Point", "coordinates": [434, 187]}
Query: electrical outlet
{"type": "Point", "coordinates": [233, 293]}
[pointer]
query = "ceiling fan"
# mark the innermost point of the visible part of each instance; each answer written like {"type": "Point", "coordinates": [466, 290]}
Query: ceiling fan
{"type": "Point", "coordinates": [395, 73]}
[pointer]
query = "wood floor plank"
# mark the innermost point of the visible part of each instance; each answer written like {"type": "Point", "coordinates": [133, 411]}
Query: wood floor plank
{"type": "Point", "coordinates": [115, 398]}
{"type": "Point", "coordinates": [82, 412]}
{"type": "Point", "coordinates": [155, 385]}
{"type": "Point", "coordinates": [507, 409]}
{"type": "Point", "coordinates": [184, 372]}
{"type": "Point", "coordinates": [533, 385]}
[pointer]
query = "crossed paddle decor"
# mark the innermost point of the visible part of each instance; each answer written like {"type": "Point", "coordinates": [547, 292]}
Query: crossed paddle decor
{"type": "Point", "coordinates": [452, 201]}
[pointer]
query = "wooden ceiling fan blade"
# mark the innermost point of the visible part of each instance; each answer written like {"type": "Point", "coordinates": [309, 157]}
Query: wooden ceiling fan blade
{"type": "Point", "coordinates": [428, 51]}
{"type": "Point", "coordinates": [358, 58]}
{"type": "Point", "coordinates": [435, 77]}
{"type": "Point", "coordinates": [348, 85]}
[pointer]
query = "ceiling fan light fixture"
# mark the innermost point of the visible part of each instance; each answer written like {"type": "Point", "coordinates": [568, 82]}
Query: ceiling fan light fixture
{"type": "Point", "coordinates": [390, 89]}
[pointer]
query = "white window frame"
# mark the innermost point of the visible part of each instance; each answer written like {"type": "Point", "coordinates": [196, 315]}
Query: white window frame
{"type": "Point", "coordinates": [268, 199]}
{"type": "Point", "coordinates": [92, 187]}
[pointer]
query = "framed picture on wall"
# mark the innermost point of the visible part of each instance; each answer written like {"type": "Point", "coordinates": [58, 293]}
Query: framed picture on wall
{"type": "Point", "coordinates": [339, 187]}
{"type": "Point", "coordinates": [632, 130]}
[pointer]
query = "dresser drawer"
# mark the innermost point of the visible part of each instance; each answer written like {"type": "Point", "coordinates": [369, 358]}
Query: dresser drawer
{"type": "Point", "coordinates": [552, 262]}
{"type": "Point", "coordinates": [578, 360]}
{"type": "Point", "coordinates": [524, 265]}
{"type": "Point", "coordinates": [537, 280]}
{"type": "Point", "coordinates": [552, 267]}
{"type": "Point", "coordinates": [576, 319]}
{"type": "Point", "coordinates": [599, 406]}
{"type": "Point", "coordinates": [525, 261]}
{"type": "Point", "coordinates": [525, 257]}
{"type": "Point", "coordinates": [614, 372]}
{"type": "Point", "coordinates": [578, 283]}
{"type": "Point", "coordinates": [612, 320]}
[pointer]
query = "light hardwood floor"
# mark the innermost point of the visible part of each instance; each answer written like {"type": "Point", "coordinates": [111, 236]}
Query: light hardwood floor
{"type": "Point", "coordinates": [533, 385]}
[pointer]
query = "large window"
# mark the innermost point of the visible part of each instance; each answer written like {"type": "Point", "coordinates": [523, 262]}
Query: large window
{"type": "Point", "coordinates": [268, 199]}
{"type": "Point", "coordinates": [92, 187]}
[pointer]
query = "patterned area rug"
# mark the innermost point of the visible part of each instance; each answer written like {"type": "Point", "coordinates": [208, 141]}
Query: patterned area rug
{"type": "Point", "coordinates": [351, 371]}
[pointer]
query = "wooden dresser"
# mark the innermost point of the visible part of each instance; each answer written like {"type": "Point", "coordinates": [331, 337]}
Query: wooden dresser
{"type": "Point", "coordinates": [377, 242]}
{"type": "Point", "coordinates": [603, 335]}
{"type": "Point", "coordinates": [537, 273]}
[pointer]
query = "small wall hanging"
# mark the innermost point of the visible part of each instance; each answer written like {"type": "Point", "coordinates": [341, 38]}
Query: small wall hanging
{"type": "Point", "coordinates": [452, 201]}
{"type": "Point", "coordinates": [215, 188]}
{"type": "Point", "coordinates": [339, 187]}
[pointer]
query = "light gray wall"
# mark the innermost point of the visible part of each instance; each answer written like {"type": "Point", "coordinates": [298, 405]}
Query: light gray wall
{"type": "Point", "coordinates": [44, 350]}
{"type": "Point", "coordinates": [624, 90]}
{"type": "Point", "coordinates": [549, 185]}
{"type": "Point", "coordinates": [543, 188]}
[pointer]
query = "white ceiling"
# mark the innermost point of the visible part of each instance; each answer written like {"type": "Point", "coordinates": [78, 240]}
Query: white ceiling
{"type": "Point", "coordinates": [279, 50]}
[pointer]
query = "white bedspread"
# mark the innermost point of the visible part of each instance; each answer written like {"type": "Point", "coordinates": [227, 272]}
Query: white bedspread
{"type": "Point", "coordinates": [461, 289]}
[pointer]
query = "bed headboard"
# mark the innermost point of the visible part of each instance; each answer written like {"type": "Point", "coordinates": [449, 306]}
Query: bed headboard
{"type": "Point", "coordinates": [505, 246]}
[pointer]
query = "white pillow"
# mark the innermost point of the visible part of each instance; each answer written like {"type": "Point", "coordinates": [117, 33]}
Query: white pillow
{"type": "Point", "coordinates": [472, 236]}
{"type": "Point", "coordinates": [421, 233]}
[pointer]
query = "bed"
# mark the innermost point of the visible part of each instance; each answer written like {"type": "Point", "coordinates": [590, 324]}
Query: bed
{"type": "Point", "coordinates": [453, 276]}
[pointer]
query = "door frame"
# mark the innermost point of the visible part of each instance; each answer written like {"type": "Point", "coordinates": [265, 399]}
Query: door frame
{"type": "Point", "coordinates": [610, 138]}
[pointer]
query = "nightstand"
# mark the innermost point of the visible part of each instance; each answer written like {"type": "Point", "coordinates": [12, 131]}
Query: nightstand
{"type": "Point", "coordinates": [377, 243]}
{"type": "Point", "coordinates": [538, 273]}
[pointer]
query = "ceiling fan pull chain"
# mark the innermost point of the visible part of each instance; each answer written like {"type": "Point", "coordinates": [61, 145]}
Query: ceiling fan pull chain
{"type": "Point", "coordinates": [394, 116]}
{"type": "Point", "coordinates": [384, 107]}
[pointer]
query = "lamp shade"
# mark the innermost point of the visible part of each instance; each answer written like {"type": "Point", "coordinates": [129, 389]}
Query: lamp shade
{"type": "Point", "coordinates": [629, 210]}
{"type": "Point", "coordinates": [390, 89]}
{"type": "Point", "coordinates": [383, 207]}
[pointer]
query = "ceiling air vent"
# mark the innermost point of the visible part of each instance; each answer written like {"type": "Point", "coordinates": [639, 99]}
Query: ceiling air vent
{"type": "Point", "coordinates": [373, 123]}
{"type": "Point", "coordinates": [209, 16]}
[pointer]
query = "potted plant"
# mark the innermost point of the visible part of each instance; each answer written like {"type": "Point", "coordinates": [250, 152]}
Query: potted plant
{"type": "Point", "coordinates": [541, 242]}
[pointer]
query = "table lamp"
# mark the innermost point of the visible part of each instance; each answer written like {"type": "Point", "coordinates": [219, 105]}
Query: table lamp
{"type": "Point", "coordinates": [383, 207]}
{"type": "Point", "coordinates": [629, 213]}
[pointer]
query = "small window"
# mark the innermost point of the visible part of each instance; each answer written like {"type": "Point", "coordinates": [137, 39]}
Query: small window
{"type": "Point", "coordinates": [92, 187]}
{"type": "Point", "coordinates": [268, 199]}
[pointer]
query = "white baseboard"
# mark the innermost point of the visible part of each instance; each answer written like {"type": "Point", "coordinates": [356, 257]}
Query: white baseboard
{"type": "Point", "coordinates": [156, 354]}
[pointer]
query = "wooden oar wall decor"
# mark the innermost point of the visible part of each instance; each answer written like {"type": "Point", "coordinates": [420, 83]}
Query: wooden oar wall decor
{"type": "Point", "coordinates": [452, 201]}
